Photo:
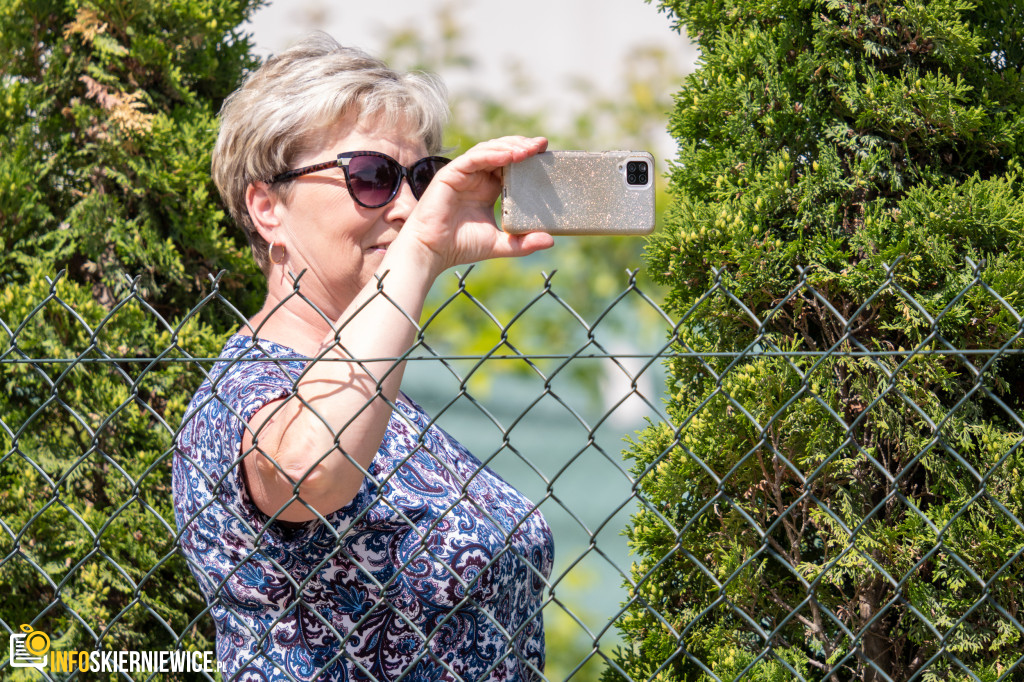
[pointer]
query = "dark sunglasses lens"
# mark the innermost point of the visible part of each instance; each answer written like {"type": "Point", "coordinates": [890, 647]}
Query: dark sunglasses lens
{"type": "Point", "coordinates": [423, 171]}
{"type": "Point", "coordinates": [373, 179]}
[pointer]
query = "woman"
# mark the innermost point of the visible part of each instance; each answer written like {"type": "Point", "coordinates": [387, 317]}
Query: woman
{"type": "Point", "coordinates": [336, 533]}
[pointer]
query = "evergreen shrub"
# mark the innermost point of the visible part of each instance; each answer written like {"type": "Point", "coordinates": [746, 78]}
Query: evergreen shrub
{"type": "Point", "coordinates": [833, 515]}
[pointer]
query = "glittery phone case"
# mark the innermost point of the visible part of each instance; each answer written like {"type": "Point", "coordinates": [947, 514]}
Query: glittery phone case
{"type": "Point", "coordinates": [579, 193]}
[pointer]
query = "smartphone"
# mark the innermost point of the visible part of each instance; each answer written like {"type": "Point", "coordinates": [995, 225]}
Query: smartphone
{"type": "Point", "coordinates": [579, 193]}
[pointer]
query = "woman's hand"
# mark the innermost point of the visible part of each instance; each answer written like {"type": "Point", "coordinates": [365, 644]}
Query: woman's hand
{"type": "Point", "coordinates": [453, 223]}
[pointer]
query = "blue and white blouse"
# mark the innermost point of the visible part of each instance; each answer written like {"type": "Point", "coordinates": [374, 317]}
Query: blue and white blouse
{"type": "Point", "coordinates": [434, 571]}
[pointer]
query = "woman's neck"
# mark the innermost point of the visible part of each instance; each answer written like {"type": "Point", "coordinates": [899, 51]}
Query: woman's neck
{"type": "Point", "coordinates": [292, 321]}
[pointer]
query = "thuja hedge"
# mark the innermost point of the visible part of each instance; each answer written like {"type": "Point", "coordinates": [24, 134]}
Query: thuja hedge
{"type": "Point", "coordinates": [107, 119]}
{"type": "Point", "coordinates": [839, 517]}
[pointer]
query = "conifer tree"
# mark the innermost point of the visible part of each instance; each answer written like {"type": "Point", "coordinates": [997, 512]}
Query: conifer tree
{"type": "Point", "coordinates": [107, 119]}
{"type": "Point", "coordinates": [812, 512]}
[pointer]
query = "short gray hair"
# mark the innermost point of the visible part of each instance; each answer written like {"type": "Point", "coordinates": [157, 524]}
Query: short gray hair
{"type": "Point", "coordinates": [285, 108]}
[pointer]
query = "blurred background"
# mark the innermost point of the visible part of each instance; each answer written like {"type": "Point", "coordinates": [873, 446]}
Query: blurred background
{"type": "Point", "coordinates": [587, 74]}
{"type": "Point", "coordinates": [531, 55]}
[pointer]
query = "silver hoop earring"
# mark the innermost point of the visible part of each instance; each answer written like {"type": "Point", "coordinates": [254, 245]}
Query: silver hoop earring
{"type": "Point", "coordinates": [280, 254]}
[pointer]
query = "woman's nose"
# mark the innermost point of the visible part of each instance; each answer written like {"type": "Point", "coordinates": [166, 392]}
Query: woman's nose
{"type": "Point", "coordinates": [403, 203]}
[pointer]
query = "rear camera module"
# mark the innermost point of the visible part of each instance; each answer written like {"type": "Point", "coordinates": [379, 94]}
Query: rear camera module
{"type": "Point", "coordinates": [637, 173]}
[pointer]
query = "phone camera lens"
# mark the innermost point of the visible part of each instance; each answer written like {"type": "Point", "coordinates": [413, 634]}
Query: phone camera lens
{"type": "Point", "coordinates": [636, 173]}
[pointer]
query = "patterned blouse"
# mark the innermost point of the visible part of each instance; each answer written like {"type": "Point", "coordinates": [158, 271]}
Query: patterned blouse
{"type": "Point", "coordinates": [436, 567]}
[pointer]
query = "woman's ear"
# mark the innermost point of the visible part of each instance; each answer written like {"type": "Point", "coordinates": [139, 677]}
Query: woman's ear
{"type": "Point", "coordinates": [262, 205]}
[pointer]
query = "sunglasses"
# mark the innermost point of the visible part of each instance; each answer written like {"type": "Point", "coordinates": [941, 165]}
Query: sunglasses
{"type": "Point", "coordinates": [373, 178]}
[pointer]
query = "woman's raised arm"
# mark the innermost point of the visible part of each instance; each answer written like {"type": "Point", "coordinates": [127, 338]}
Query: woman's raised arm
{"type": "Point", "coordinates": [319, 441]}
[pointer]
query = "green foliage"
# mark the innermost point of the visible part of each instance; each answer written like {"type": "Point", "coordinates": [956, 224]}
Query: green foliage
{"type": "Point", "coordinates": [107, 119]}
{"type": "Point", "coordinates": [108, 115]}
{"type": "Point", "coordinates": [817, 514]}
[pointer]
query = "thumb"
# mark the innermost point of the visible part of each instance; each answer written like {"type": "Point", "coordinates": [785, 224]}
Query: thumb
{"type": "Point", "coordinates": [523, 244]}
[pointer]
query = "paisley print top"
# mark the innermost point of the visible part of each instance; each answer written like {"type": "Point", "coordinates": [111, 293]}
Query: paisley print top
{"type": "Point", "coordinates": [434, 571]}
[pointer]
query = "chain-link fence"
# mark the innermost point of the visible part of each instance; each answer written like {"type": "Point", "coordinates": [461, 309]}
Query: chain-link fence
{"type": "Point", "coordinates": [776, 531]}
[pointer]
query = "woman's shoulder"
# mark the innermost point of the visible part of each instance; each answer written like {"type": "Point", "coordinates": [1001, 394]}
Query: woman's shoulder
{"type": "Point", "coordinates": [247, 373]}
{"type": "Point", "coordinates": [246, 360]}
{"type": "Point", "coordinates": [244, 344]}
{"type": "Point", "coordinates": [246, 354]}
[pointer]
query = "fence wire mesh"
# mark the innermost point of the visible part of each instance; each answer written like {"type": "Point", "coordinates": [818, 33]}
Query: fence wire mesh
{"type": "Point", "coordinates": [782, 524]}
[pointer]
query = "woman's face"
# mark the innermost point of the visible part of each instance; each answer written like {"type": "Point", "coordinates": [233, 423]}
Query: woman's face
{"type": "Point", "coordinates": [337, 241]}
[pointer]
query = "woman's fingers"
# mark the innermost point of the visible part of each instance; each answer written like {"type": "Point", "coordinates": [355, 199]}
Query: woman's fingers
{"type": "Point", "coordinates": [454, 218]}
{"type": "Point", "coordinates": [472, 181]}
{"type": "Point", "coordinates": [491, 155]}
